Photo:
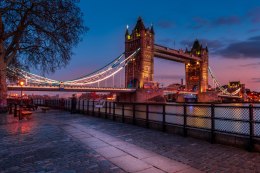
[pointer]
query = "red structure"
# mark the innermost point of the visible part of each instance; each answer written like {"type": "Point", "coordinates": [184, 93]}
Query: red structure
{"type": "Point", "coordinates": [140, 70]}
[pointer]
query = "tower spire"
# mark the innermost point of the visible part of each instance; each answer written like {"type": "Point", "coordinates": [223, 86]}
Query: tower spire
{"type": "Point", "coordinates": [126, 31]}
{"type": "Point", "coordinates": [152, 30]}
{"type": "Point", "coordinates": [140, 24]}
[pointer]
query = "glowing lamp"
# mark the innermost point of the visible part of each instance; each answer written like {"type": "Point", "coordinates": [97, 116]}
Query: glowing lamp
{"type": "Point", "coordinates": [21, 83]}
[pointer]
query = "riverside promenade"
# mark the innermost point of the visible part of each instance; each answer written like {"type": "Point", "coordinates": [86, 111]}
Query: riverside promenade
{"type": "Point", "coordinates": [58, 141]}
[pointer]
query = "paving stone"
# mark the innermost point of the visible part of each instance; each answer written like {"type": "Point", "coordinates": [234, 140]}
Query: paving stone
{"type": "Point", "coordinates": [138, 152]}
{"type": "Point", "coordinates": [165, 164]}
{"type": "Point", "coordinates": [110, 152]}
{"type": "Point", "coordinates": [151, 170]}
{"type": "Point", "coordinates": [130, 164]}
{"type": "Point", "coordinates": [97, 144]}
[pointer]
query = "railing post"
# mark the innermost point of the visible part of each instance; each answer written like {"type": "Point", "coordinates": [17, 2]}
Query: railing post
{"type": "Point", "coordinates": [163, 120]}
{"type": "Point", "coordinates": [147, 116]}
{"type": "Point", "coordinates": [114, 111]}
{"type": "Point", "coordinates": [78, 105]}
{"type": "Point", "coordinates": [184, 120]}
{"type": "Point", "coordinates": [133, 113]}
{"type": "Point", "coordinates": [10, 108]}
{"type": "Point", "coordinates": [251, 128]}
{"type": "Point", "coordinates": [88, 107]}
{"type": "Point", "coordinates": [83, 106]}
{"type": "Point", "coordinates": [123, 112]}
{"type": "Point", "coordinates": [20, 112]}
{"type": "Point", "coordinates": [212, 136]}
{"type": "Point", "coordinates": [106, 110]}
{"type": "Point", "coordinates": [110, 108]}
{"type": "Point", "coordinates": [15, 110]}
{"type": "Point", "coordinates": [93, 108]}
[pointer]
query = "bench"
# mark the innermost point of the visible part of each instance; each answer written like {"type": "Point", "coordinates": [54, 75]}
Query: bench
{"type": "Point", "coordinates": [31, 107]}
{"type": "Point", "coordinates": [26, 114]}
{"type": "Point", "coordinates": [45, 109]}
{"type": "Point", "coordinates": [100, 104]}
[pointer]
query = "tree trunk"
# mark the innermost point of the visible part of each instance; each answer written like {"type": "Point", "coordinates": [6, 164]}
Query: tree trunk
{"type": "Point", "coordinates": [3, 84]}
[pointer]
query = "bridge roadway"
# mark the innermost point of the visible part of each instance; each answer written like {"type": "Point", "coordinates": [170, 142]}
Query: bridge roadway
{"type": "Point", "coordinates": [69, 89]}
{"type": "Point", "coordinates": [172, 54]}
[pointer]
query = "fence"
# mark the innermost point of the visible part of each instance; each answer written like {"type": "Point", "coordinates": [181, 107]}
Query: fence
{"type": "Point", "coordinates": [238, 121]}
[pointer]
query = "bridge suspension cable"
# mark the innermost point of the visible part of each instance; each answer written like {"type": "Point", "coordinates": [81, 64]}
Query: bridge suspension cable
{"type": "Point", "coordinates": [95, 77]}
{"type": "Point", "coordinates": [223, 90]}
{"type": "Point", "coordinates": [104, 73]}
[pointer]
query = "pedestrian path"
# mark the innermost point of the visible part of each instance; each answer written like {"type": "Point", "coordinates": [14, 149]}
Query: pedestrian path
{"type": "Point", "coordinates": [62, 142]}
{"type": "Point", "coordinates": [126, 156]}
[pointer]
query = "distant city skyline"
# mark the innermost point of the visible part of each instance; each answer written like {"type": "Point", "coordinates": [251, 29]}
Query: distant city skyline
{"type": "Point", "coordinates": [231, 30]}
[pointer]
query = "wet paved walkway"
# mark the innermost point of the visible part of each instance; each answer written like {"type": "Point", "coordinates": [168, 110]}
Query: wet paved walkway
{"type": "Point", "coordinates": [62, 142]}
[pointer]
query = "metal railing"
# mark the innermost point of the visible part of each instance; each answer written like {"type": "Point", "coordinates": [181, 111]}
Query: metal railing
{"type": "Point", "coordinates": [243, 121]}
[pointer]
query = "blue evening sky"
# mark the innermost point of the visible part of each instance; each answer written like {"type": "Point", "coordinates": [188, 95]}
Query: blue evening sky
{"type": "Point", "coordinates": [230, 28]}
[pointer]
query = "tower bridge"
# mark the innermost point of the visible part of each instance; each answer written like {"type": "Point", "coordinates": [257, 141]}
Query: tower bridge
{"type": "Point", "coordinates": [137, 66]}
{"type": "Point", "coordinates": [141, 70]}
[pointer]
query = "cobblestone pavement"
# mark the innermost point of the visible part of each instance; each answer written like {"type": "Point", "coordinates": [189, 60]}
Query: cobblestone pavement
{"type": "Point", "coordinates": [43, 144]}
{"type": "Point", "coordinates": [40, 145]}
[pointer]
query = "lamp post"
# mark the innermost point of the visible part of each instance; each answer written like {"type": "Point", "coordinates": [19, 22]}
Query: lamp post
{"type": "Point", "coordinates": [21, 83]}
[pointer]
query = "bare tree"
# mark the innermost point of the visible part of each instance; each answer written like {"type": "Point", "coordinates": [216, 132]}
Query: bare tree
{"type": "Point", "coordinates": [38, 34]}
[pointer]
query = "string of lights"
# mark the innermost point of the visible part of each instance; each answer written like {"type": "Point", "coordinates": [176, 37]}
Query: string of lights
{"type": "Point", "coordinates": [223, 90]}
{"type": "Point", "coordinates": [100, 75]}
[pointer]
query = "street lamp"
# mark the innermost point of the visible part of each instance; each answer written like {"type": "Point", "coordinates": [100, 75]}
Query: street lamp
{"type": "Point", "coordinates": [21, 83]}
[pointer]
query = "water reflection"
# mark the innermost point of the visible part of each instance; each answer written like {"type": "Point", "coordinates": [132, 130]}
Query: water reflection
{"type": "Point", "coordinates": [229, 117]}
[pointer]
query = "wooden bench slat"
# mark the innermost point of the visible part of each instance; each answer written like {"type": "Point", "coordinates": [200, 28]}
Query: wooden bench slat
{"type": "Point", "coordinates": [26, 113]}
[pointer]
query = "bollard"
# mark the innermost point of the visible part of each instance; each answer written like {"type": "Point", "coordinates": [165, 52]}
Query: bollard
{"type": "Point", "coordinates": [15, 110]}
{"type": "Point", "coordinates": [251, 128]}
{"type": "Point", "coordinates": [212, 138]}
{"type": "Point", "coordinates": [184, 120]}
{"type": "Point", "coordinates": [147, 116]}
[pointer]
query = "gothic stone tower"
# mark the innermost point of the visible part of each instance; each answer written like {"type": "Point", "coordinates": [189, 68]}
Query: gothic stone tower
{"type": "Point", "coordinates": [140, 70]}
{"type": "Point", "coordinates": [197, 71]}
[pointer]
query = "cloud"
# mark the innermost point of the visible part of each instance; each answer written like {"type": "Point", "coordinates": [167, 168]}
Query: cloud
{"type": "Point", "coordinates": [230, 20]}
{"type": "Point", "coordinates": [166, 41]}
{"type": "Point", "coordinates": [220, 21]}
{"type": "Point", "coordinates": [256, 80]}
{"type": "Point", "coordinates": [242, 49]}
{"type": "Point", "coordinates": [253, 30]}
{"type": "Point", "coordinates": [254, 15]}
{"type": "Point", "coordinates": [165, 24]}
{"type": "Point", "coordinates": [250, 65]}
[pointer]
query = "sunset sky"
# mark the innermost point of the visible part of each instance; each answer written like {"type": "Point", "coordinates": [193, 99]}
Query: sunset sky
{"type": "Point", "coordinates": [230, 29]}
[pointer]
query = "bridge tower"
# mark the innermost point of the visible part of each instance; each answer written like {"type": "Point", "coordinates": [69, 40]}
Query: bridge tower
{"type": "Point", "coordinates": [197, 71]}
{"type": "Point", "coordinates": [140, 70]}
